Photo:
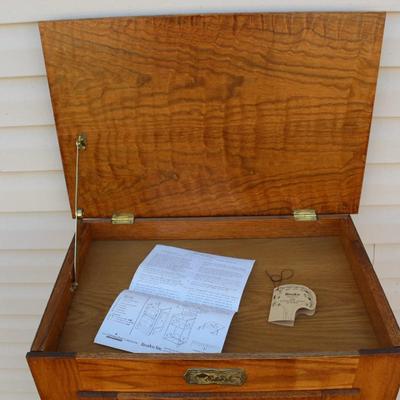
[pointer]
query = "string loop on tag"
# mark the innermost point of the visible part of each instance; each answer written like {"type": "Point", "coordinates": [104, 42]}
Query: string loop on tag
{"type": "Point", "coordinates": [284, 275]}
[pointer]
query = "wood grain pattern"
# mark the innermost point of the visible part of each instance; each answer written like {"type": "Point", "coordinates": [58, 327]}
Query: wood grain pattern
{"type": "Point", "coordinates": [57, 308]}
{"type": "Point", "coordinates": [352, 394]}
{"type": "Point", "coordinates": [283, 362]}
{"type": "Point", "coordinates": [340, 324]}
{"type": "Point", "coordinates": [378, 376]}
{"type": "Point", "coordinates": [381, 315]}
{"type": "Point", "coordinates": [341, 394]}
{"type": "Point", "coordinates": [217, 228]}
{"type": "Point", "coordinates": [252, 114]}
{"type": "Point", "coordinates": [159, 374]}
{"type": "Point", "coordinates": [56, 378]}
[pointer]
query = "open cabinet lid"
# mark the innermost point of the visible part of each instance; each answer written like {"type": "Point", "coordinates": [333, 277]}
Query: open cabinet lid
{"type": "Point", "coordinates": [211, 115]}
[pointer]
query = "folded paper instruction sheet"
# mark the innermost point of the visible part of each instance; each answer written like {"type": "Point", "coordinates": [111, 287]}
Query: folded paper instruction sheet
{"type": "Point", "coordinates": [179, 301]}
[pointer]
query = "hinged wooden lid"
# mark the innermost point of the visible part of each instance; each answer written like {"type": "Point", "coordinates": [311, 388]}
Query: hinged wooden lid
{"type": "Point", "coordinates": [252, 114]}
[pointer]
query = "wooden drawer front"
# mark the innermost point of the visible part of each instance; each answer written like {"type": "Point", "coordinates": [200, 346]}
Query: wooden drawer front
{"type": "Point", "coordinates": [340, 394]}
{"type": "Point", "coordinates": [148, 375]}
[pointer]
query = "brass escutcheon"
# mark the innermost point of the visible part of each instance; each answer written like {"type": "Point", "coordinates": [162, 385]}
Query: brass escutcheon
{"type": "Point", "coordinates": [215, 376]}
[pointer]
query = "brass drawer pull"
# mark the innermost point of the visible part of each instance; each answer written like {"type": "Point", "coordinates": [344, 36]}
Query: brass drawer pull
{"type": "Point", "coordinates": [215, 376]}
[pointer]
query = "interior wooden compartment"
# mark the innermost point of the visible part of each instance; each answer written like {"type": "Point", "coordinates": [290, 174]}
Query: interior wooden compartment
{"type": "Point", "coordinates": [341, 322]}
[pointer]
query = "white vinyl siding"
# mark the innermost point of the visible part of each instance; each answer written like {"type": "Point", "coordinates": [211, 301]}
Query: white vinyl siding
{"type": "Point", "coordinates": [35, 221]}
{"type": "Point", "coordinates": [37, 10]}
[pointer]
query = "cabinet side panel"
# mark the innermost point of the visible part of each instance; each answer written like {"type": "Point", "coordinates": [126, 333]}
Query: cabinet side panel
{"type": "Point", "coordinates": [56, 378]}
{"type": "Point", "coordinates": [378, 376]}
{"type": "Point", "coordinates": [380, 313]}
{"type": "Point", "coordinates": [53, 319]}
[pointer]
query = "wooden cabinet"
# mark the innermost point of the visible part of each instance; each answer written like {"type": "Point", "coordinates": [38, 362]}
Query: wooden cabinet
{"type": "Point", "coordinates": [214, 131]}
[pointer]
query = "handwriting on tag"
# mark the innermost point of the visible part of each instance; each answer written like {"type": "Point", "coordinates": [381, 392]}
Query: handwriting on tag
{"type": "Point", "coordinates": [290, 300]}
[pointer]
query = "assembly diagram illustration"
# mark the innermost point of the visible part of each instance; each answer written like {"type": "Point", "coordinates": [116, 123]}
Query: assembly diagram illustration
{"type": "Point", "coordinates": [180, 326]}
{"type": "Point", "coordinates": [213, 328]}
{"type": "Point", "coordinates": [153, 318]}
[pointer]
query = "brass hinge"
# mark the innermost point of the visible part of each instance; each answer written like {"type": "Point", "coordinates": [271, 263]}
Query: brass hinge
{"type": "Point", "coordinates": [123, 218]}
{"type": "Point", "coordinates": [306, 214]}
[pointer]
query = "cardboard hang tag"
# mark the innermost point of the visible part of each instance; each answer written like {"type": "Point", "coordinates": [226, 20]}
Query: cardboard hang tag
{"type": "Point", "coordinates": [290, 300]}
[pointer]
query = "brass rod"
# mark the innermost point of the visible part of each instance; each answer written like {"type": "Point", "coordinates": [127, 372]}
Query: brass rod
{"type": "Point", "coordinates": [80, 145]}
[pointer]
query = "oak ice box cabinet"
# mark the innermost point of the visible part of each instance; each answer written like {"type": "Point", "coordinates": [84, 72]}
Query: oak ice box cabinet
{"type": "Point", "coordinates": [242, 135]}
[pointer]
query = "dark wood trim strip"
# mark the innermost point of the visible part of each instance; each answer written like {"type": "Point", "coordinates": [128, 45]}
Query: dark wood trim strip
{"type": "Point", "coordinates": [292, 394]}
{"type": "Point", "coordinates": [49, 354]}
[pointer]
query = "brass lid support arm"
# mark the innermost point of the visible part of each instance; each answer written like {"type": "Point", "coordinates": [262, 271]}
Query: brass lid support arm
{"type": "Point", "coordinates": [81, 143]}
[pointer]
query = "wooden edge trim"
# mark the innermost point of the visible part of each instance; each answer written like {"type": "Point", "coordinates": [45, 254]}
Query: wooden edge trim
{"type": "Point", "coordinates": [192, 356]}
{"type": "Point", "coordinates": [56, 377]}
{"type": "Point", "coordinates": [211, 356]}
{"type": "Point", "coordinates": [340, 393]}
{"type": "Point", "coordinates": [219, 356]}
{"type": "Point", "coordinates": [379, 310]}
{"type": "Point", "coordinates": [49, 354]}
{"type": "Point", "coordinates": [292, 394]}
{"type": "Point", "coordinates": [216, 228]}
{"type": "Point", "coordinates": [98, 395]}
{"type": "Point", "coordinates": [53, 318]}
{"type": "Point", "coordinates": [377, 352]}
{"type": "Point", "coordinates": [60, 297]}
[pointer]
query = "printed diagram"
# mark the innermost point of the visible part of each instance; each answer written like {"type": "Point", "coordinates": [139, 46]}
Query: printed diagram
{"type": "Point", "coordinates": [180, 326]}
{"type": "Point", "coordinates": [145, 321]}
{"type": "Point", "coordinates": [152, 318]}
{"type": "Point", "coordinates": [213, 328]}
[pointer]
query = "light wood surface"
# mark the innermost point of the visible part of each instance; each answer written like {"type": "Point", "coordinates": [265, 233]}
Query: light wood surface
{"type": "Point", "coordinates": [340, 324]}
{"type": "Point", "coordinates": [252, 114]}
